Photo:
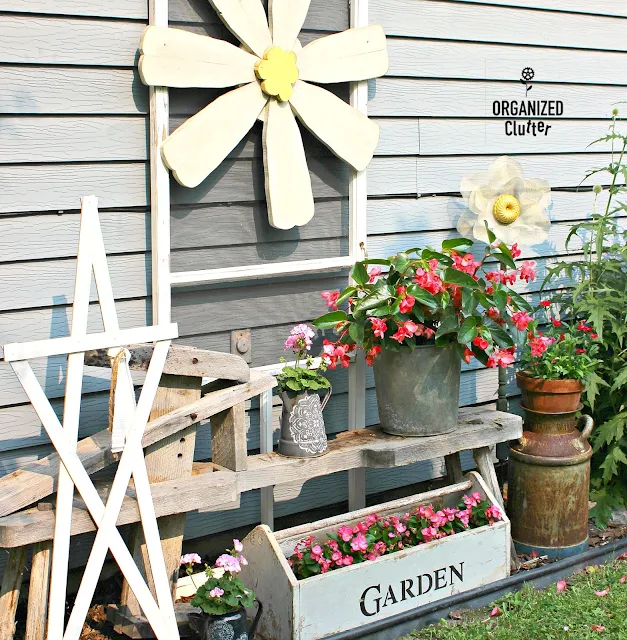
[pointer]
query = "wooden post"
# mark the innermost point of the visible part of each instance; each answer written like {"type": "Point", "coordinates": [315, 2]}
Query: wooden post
{"type": "Point", "coordinates": [37, 615]}
{"type": "Point", "coordinates": [453, 468]}
{"type": "Point", "coordinates": [488, 473]}
{"type": "Point", "coordinates": [10, 591]}
{"type": "Point", "coordinates": [265, 445]}
{"type": "Point", "coordinates": [168, 459]}
{"type": "Point", "coordinates": [228, 438]}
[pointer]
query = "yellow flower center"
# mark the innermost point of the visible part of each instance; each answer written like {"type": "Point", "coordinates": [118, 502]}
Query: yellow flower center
{"type": "Point", "coordinates": [277, 72]}
{"type": "Point", "coordinates": [506, 209]}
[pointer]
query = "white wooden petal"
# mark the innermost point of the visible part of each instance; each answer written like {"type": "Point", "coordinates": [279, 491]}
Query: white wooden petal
{"type": "Point", "coordinates": [247, 20]}
{"type": "Point", "coordinates": [288, 185]}
{"type": "Point", "coordinates": [355, 54]}
{"type": "Point", "coordinates": [199, 145]}
{"type": "Point", "coordinates": [177, 58]}
{"type": "Point", "coordinates": [286, 19]}
{"type": "Point", "coordinates": [346, 131]}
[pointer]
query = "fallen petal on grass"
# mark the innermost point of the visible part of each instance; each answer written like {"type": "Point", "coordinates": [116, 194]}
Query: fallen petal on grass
{"type": "Point", "coordinates": [496, 612]}
{"type": "Point", "coordinates": [561, 586]}
{"type": "Point", "coordinates": [597, 627]}
{"type": "Point", "coordinates": [623, 579]}
{"type": "Point", "coordinates": [622, 556]}
{"type": "Point", "coordinates": [603, 593]}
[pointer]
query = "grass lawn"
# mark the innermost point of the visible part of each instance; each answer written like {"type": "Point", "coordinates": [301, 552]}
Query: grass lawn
{"type": "Point", "coordinates": [577, 612]}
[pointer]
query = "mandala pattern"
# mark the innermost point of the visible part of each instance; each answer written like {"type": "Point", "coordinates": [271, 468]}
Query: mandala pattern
{"type": "Point", "coordinates": [221, 630]}
{"type": "Point", "coordinates": [307, 425]}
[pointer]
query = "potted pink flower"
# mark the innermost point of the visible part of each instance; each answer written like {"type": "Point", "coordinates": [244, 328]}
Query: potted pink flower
{"type": "Point", "coordinates": [417, 315]}
{"type": "Point", "coordinates": [223, 599]}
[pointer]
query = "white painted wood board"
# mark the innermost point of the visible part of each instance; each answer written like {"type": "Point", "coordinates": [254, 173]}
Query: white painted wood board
{"type": "Point", "coordinates": [473, 99]}
{"type": "Point", "coordinates": [485, 23]}
{"type": "Point", "coordinates": [448, 136]}
{"type": "Point", "coordinates": [413, 57]}
{"type": "Point", "coordinates": [611, 8]}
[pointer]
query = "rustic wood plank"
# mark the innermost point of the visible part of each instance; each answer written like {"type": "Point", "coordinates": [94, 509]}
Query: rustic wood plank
{"type": "Point", "coordinates": [611, 8]}
{"type": "Point", "coordinates": [484, 23]}
{"type": "Point", "coordinates": [38, 590]}
{"type": "Point", "coordinates": [435, 136]}
{"type": "Point", "coordinates": [44, 139]}
{"type": "Point", "coordinates": [363, 448]}
{"type": "Point", "coordinates": [417, 58]}
{"type": "Point", "coordinates": [169, 459]}
{"type": "Point", "coordinates": [114, 9]}
{"type": "Point", "coordinates": [68, 41]}
{"type": "Point", "coordinates": [181, 361]}
{"type": "Point", "coordinates": [10, 591]}
{"type": "Point", "coordinates": [453, 467]}
{"type": "Point", "coordinates": [38, 479]}
{"type": "Point", "coordinates": [228, 438]}
{"type": "Point", "coordinates": [444, 98]}
{"type": "Point", "coordinates": [27, 188]}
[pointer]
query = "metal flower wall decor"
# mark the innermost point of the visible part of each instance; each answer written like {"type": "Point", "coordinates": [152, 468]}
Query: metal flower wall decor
{"type": "Point", "coordinates": [272, 73]}
{"type": "Point", "coordinates": [515, 208]}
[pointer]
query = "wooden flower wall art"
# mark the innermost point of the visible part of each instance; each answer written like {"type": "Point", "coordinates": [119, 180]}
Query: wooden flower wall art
{"type": "Point", "coordinates": [273, 75]}
{"type": "Point", "coordinates": [514, 207]}
{"type": "Point", "coordinates": [130, 416]}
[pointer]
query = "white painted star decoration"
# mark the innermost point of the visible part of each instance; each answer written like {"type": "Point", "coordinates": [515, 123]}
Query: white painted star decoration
{"type": "Point", "coordinates": [273, 75]}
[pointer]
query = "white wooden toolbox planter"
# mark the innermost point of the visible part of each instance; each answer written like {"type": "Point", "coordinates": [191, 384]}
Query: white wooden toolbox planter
{"type": "Point", "coordinates": [326, 604]}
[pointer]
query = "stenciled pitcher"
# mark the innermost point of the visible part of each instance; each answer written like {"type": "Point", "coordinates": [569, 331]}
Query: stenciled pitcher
{"type": "Point", "coordinates": [302, 426]}
{"type": "Point", "coordinates": [228, 626]}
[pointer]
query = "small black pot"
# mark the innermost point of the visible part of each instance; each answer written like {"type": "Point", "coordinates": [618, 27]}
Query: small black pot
{"type": "Point", "coordinates": [228, 626]}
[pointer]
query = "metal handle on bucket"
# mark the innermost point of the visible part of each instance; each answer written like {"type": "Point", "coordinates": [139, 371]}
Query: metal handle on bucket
{"type": "Point", "coordinates": [253, 626]}
{"type": "Point", "coordinates": [326, 397]}
{"type": "Point", "coordinates": [588, 425]}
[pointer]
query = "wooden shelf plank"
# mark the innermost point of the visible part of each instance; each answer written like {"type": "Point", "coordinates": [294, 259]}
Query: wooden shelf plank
{"type": "Point", "coordinates": [220, 490]}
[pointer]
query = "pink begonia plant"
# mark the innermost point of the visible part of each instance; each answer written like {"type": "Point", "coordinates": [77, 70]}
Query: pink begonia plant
{"type": "Point", "coordinates": [450, 296]}
{"type": "Point", "coordinates": [380, 535]}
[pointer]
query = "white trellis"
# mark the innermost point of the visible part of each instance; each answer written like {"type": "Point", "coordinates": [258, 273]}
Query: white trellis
{"type": "Point", "coordinates": [160, 613]}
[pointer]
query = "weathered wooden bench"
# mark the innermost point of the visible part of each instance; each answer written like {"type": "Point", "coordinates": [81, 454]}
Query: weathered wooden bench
{"type": "Point", "coordinates": [180, 485]}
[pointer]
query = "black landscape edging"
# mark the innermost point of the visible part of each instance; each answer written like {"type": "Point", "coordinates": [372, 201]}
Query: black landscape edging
{"type": "Point", "coordinates": [403, 623]}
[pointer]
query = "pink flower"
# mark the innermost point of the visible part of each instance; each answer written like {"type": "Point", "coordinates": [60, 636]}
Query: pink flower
{"type": "Point", "coordinates": [480, 342]}
{"type": "Point", "coordinates": [316, 552]}
{"type": "Point", "coordinates": [545, 303]}
{"type": "Point", "coordinates": [538, 346]}
{"type": "Point", "coordinates": [493, 514]}
{"type": "Point", "coordinates": [496, 612]}
{"type": "Point", "coordinates": [359, 542]}
{"type": "Point", "coordinates": [603, 593]}
{"type": "Point", "coordinates": [521, 320]}
{"type": "Point", "coordinates": [425, 512]}
{"type": "Point", "coordinates": [467, 263]}
{"type": "Point", "coordinates": [346, 533]}
{"type": "Point", "coordinates": [439, 519]}
{"type": "Point", "coordinates": [330, 298]}
{"type": "Point", "coordinates": [191, 558]}
{"type": "Point", "coordinates": [501, 358]}
{"type": "Point", "coordinates": [557, 323]}
{"type": "Point", "coordinates": [374, 272]}
{"type": "Point", "coordinates": [378, 327]}
{"type": "Point", "coordinates": [463, 517]}
{"type": "Point", "coordinates": [428, 333]}
{"type": "Point", "coordinates": [400, 334]}
{"type": "Point", "coordinates": [467, 354]}
{"type": "Point", "coordinates": [372, 354]}
{"type": "Point", "coordinates": [412, 328]}
{"type": "Point", "coordinates": [561, 586]}
{"type": "Point", "coordinates": [348, 560]}
{"type": "Point", "coordinates": [429, 533]}
{"type": "Point", "coordinates": [400, 527]}
{"type": "Point", "coordinates": [300, 338]}
{"type": "Point", "coordinates": [473, 500]}
{"type": "Point", "coordinates": [429, 281]}
{"type": "Point", "coordinates": [216, 592]}
{"type": "Point", "coordinates": [515, 251]}
{"type": "Point", "coordinates": [238, 546]}
{"type": "Point", "coordinates": [527, 271]}
{"type": "Point", "coordinates": [228, 563]}
{"type": "Point", "coordinates": [407, 304]}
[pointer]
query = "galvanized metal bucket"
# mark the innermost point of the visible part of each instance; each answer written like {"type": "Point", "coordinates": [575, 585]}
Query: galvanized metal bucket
{"type": "Point", "coordinates": [302, 426]}
{"type": "Point", "coordinates": [418, 391]}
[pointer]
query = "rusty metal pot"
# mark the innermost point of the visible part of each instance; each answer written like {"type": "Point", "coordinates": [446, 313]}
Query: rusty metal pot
{"type": "Point", "coordinates": [552, 396]}
{"type": "Point", "coordinates": [549, 478]}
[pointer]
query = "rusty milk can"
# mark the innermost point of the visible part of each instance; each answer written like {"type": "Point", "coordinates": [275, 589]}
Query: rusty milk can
{"type": "Point", "coordinates": [549, 477]}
